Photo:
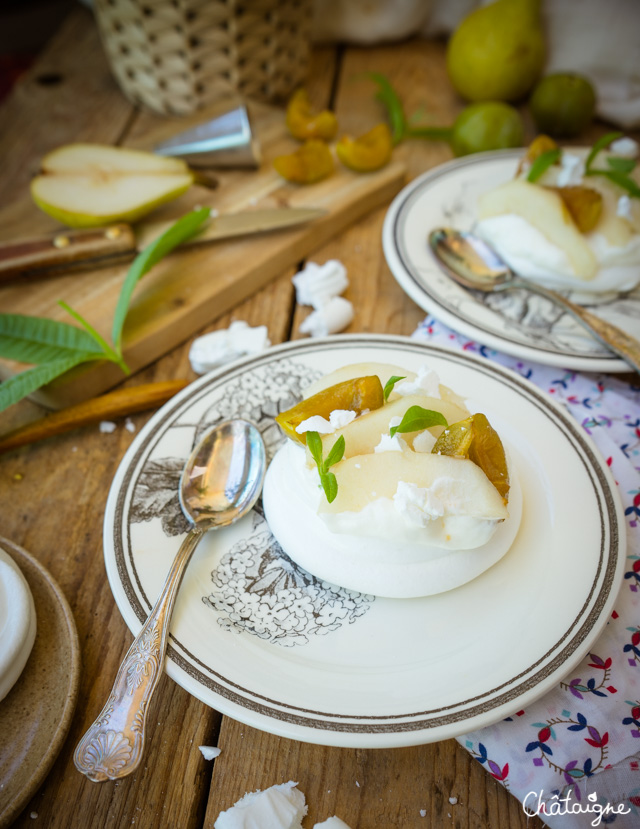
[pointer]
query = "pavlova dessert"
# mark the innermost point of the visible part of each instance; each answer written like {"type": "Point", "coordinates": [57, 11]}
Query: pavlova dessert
{"type": "Point", "coordinates": [570, 219]}
{"type": "Point", "coordinates": [388, 485]}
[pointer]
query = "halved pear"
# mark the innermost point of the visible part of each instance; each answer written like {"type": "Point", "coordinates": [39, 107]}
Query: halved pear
{"type": "Point", "coordinates": [546, 211]}
{"type": "Point", "coordinates": [89, 185]}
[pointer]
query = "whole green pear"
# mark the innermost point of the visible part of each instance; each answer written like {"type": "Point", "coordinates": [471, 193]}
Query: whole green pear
{"type": "Point", "coordinates": [498, 51]}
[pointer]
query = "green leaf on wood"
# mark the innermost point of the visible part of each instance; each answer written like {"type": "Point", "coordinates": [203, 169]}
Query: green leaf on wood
{"type": "Point", "coordinates": [183, 229]}
{"type": "Point", "coordinates": [19, 386]}
{"type": "Point", "coordinates": [40, 340]}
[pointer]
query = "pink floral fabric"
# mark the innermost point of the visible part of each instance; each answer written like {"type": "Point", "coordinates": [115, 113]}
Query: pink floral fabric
{"type": "Point", "coordinates": [573, 757]}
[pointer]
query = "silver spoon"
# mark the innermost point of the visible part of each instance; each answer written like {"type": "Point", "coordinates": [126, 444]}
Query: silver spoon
{"type": "Point", "coordinates": [472, 263]}
{"type": "Point", "coordinates": [220, 483]}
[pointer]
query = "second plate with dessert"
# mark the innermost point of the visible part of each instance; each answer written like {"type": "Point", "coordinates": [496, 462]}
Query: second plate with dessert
{"type": "Point", "coordinates": [516, 322]}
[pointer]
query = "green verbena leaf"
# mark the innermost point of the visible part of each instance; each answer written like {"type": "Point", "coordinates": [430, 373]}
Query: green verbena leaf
{"type": "Point", "coordinates": [106, 349]}
{"type": "Point", "coordinates": [390, 384]}
{"type": "Point", "coordinates": [622, 180]}
{"type": "Point", "coordinates": [19, 386]}
{"type": "Point", "coordinates": [392, 103]}
{"type": "Point", "coordinates": [330, 485]}
{"type": "Point", "coordinates": [314, 442]}
{"type": "Point", "coordinates": [621, 165]}
{"type": "Point", "coordinates": [183, 229]}
{"type": "Point", "coordinates": [39, 340]}
{"type": "Point", "coordinates": [416, 418]}
{"type": "Point", "coordinates": [335, 454]}
{"type": "Point", "coordinates": [543, 162]}
{"type": "Point", "coordinates": [600, 144]}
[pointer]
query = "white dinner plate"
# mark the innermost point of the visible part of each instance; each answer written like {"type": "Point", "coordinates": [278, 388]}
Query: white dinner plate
{"type": "Point", "coordinates": [516, 322]}
{"type": "Point", "coordinates": [261, 640]}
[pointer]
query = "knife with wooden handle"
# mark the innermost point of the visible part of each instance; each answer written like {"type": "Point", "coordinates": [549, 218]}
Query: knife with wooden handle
{"type": "Point", "coordinates": [98, 247]}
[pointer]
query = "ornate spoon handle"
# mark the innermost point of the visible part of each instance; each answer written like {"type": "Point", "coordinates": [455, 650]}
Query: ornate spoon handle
{"type": "Point", "coordinates": [613, 337]}
{"type": "Point", "coordinates": [112, 747]}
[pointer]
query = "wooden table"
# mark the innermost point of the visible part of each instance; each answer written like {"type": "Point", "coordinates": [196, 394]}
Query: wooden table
{"type": "Point", "coordinates": [53, 494]}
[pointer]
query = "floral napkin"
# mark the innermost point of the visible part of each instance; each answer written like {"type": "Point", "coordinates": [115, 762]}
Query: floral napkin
{"type": "Point", "coordinates": [573, 757]}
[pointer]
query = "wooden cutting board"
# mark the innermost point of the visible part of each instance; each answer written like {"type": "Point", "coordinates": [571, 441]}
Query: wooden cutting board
{"type": "Point", "coordinates": [191, 288]}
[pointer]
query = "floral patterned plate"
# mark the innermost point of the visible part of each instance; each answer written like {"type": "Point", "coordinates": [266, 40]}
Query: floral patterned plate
{"type": "Point", "coordinates": [516, 322]}
{"type": "Point", "coordinates": [258, 638]}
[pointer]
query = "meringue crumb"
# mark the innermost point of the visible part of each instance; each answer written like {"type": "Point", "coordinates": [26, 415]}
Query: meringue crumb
{"type": "Point", "coordinates": [209, 752]}
{"type": "Point", "coordinates": [107, 426]}
{"type": "Point", "coordinates": [453, 800]}
{"type": "Point", "coordinates": [423, 812]}
{"type": "Point", "coordinates": [332, 317]}
{"type": "Point", "coordinates": [129, 425]}
{"type": "Point", "coordinates": [317, 284]}
{"type": "Point", "coordinates": [278, 807]}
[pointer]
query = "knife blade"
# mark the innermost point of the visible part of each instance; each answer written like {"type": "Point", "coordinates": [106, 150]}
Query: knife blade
{"type": "Point", "coordinates": [72, 250]}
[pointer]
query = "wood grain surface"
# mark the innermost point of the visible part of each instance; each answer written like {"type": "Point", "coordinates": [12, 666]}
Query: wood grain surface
{"type": "Point", "coordinates": [53, 494]}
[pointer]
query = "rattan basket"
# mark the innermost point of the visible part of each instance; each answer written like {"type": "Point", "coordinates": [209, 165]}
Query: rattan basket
{"type": "Point", "coordinates": [176, 56]}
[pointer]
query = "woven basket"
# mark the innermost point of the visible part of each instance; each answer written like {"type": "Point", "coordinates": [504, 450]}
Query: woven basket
{"type": "Point", "coordinates": [176, 56]}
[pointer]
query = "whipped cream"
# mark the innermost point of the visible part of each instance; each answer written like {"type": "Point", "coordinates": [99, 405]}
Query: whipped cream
{"type": "Point", "coordinates": [530, 254]}
{"type": "Point", "coordinates": [383, 549]}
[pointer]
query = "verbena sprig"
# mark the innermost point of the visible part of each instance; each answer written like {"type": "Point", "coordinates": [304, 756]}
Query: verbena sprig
{"type": "Point", "coordinates": [543, 162]}
{"type": "Point", "coordinates": [336, 453]}
{"type": "Point", "coordinates": [55, 347]}
{"type": "Point", "coordinates": [619, 168]}
{"type": "Point", "coordinates": [390, 384]}
{"type": "Point", "coordinates": [416, 419]}
{"type": "Point", "coordinates": [401, 126]}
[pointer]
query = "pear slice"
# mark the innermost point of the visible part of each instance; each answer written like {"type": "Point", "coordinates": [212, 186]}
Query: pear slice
{"type": "Point", "coordinates": [364, 478]}
{"type": "Point", "coordinates": [546, 211]}
{"type": "Point", "coordinates": [383, 370]}
{"type": "Point", "coordinates": [88, 185]}
{"type": "Point", "coordinates": [363, 434]}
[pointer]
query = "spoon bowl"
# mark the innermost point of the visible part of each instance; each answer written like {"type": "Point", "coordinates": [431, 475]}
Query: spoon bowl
{"type": "Point", "coordinates": [219, 484]}
{"type": "Point", "coordinates": [472, 263]}
{"type": "Point", "coordinates": [223, 477]}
